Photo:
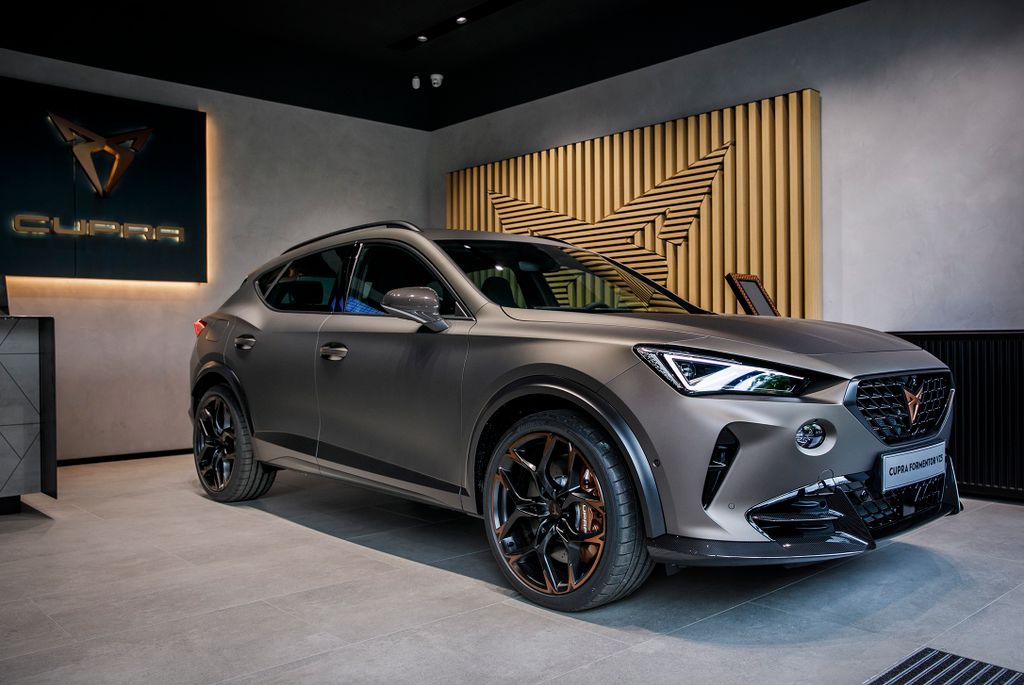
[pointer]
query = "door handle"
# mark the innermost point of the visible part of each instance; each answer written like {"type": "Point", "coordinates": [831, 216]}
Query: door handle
{"type": "Point", "coordinates": [333, 352]}
{"type": "Point", "coordinates": [245, 342]}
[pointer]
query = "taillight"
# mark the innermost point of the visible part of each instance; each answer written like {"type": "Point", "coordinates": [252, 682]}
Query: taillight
{"type": "Point", "coordinates": [199, 326]}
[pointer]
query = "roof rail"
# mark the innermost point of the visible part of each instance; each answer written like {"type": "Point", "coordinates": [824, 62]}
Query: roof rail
{"type": "Point", "coordinates": [397, 223]}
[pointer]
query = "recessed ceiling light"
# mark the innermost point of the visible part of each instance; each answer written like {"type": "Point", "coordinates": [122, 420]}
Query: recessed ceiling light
{"type": "Point", "coordinates": [460, 20]}
{"type": "Point", "coordinates": [422, 39]}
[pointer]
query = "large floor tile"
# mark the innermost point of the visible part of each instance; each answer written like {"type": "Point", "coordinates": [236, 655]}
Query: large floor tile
{"type": "Point", "coordinates": [203, 589]}
{"type": "Point", "coordinates": [352, 523]}
{"type": "Point", "coordinates": [1015, 596]}
{"type": "Point", "coordinates": [749, 644]}
{"type": "Point", "coordinates": [905, 590]}
{"type": "Point", "coordinates": [993, 530]}
{"type": "Point", "coordinates": [423, 512]}
{"type": "Point", "coordinates": [233, 540]}
{"type": "Point", "coordinates": [479, 566]}
{"type": "Point", "coordinates": [161, 504]}
{"type": "Point", "coordinates": [995, 635]}
{"type": "Point", "coordinates": [496, 644]}
{"type": "Point", "coordinates": [82, 569]}
{"type": "Point", "coordinates": [386, 603]}
{"type": "Point", "coordinates": [430, 543]}
{"type": "Point", "coordinates": [25, 628]}
{"type": "Point", "coordinates": [667, 603]}
{"type": "Point", "coordinates": [37, 505]}
{"type": "Point", "coordinates": [295, 495]}
{"type": "Point", "coordinates": [37, 537]}
{"type": "Point", "coordinates": [203, 649]}
{"type": "Point", "coordinates": [116, 479]}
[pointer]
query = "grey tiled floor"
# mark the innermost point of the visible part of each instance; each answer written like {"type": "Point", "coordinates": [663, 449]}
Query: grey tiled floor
{"type": "Point", "coordinates": [134, 577]}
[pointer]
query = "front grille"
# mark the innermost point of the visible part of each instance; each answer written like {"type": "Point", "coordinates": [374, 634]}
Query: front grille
{"type": "Point", "coordinates": [883, 404]}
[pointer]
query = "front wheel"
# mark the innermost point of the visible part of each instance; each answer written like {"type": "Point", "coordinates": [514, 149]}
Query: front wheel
{"type": "Point", "coordinates": [222, 444]}
{"type": "Point", "coordinates": [562, 516]}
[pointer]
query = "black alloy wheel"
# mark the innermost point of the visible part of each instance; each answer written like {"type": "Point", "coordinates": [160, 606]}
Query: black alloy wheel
{"type": "Point", "coordinates": [548, 512]}
{"type": "Point", "coordinates": [562, 517]}
{"type": "Point", "coordinates": [215, 443]}
{"type": "Point", "coordinates": [222, 445]}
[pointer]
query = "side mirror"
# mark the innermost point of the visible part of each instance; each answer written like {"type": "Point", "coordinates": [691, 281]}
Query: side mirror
{"type": "Point", "coordinates": [415, 304]}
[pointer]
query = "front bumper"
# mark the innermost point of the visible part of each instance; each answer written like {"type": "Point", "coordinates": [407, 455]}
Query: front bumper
{"type": "Point", "coordinates": [715, 458]}
{"type": "Point", "coordinates": [832, 519]}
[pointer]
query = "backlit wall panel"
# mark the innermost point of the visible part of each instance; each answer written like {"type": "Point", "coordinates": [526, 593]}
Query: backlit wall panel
{"type": "Point", "coordinates": [684, 202]}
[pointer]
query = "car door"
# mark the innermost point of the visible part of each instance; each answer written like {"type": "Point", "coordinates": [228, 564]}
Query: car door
{"type": "Point", "coordinates": [388, 388]}
{"type": "Point", "coordinates": [274, 354]}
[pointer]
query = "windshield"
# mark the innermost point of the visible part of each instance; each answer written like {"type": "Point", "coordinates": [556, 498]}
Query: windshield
{"type": "Point", "coordinates": [544, 276]}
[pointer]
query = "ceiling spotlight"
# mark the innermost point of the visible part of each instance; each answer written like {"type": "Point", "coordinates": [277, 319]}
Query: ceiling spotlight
{"type": "Point", "coordinates": [422, 39]}
{"type": "Point", "coordinates": [460, 20]}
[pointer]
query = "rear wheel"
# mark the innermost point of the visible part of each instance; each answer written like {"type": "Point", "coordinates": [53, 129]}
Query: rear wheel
{"type": "Point", "coordinates": [222, 445]}
{"type": "Point", "coordinates": [562, 517]}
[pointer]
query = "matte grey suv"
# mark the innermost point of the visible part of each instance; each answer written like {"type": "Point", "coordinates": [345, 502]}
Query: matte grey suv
{"type": "Point", "coordinates": [597, 423]}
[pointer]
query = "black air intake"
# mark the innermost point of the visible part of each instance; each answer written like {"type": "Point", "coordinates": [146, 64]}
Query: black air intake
{"type": "Point", "coordinates": [722, 457]}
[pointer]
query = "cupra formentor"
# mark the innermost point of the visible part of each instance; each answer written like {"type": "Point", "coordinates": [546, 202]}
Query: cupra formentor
{"type": "Point", "coordinates": [598, 423]}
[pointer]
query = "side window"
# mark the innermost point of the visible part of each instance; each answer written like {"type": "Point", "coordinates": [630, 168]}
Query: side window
{"type": "Point", "coordinates": [385, 267]}
{"type": "Point", "coordinates": [264, 282]}
{"type": "Point", "coordinates": [310, 284]}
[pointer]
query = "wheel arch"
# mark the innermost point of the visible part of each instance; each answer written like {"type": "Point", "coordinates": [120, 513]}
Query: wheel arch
{"type": "Point", "coordinates": [534, 394]}
{"type": "Point", "coordinates": [217, 373]}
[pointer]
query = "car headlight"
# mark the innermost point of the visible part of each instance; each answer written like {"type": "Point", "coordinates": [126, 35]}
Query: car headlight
{"type": "Point", "coordinates": [696, 374]}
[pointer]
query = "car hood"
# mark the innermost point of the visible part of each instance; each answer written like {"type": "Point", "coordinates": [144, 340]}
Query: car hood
{"type": "Point", "coordinates": [797, 336]}
{"type": "Point", "coordinates": [800, 336]}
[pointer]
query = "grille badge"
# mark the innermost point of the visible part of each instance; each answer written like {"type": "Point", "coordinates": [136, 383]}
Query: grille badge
{"type": "Point", "coordinates": [913, 402]}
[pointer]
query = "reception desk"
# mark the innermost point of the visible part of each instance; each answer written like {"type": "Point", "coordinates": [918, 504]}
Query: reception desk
{"type": "Point", "coordinates": [28, 423]}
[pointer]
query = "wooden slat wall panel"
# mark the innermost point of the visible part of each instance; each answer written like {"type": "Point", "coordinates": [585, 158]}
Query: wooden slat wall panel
{"type": "Point", "coordinates": [684, 202]}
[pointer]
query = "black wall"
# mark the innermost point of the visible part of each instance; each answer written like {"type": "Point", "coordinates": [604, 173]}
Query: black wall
{"type": "Point", "coordinates": [164, 185]}
{"type": "Point", "coordinates": [988, 369]}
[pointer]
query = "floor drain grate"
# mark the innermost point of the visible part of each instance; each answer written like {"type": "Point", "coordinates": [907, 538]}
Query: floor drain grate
{"type": "Point", "coordinates": [932, 667]}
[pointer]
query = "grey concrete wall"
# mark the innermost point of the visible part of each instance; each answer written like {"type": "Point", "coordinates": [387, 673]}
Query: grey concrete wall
{"type": "Point", "coordinates": [922, 147]}
{"type": "Point", "coordinates": [276, 174]}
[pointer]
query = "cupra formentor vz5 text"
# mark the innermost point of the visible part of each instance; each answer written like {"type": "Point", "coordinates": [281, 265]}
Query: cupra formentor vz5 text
{"type": "Point", "coordinates": [598, 423]}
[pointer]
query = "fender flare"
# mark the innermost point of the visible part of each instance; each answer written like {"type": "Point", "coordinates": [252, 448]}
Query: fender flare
{"type": "Point", "coordinates": [598, 409]}
{"type": "Point", "coordinates": [218, 368]}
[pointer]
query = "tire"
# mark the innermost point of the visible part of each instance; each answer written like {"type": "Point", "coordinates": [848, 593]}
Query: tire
{"type": "Point", "coordinates": [222, 445]}
{"type": "Point", "coordinates": [562, 517]}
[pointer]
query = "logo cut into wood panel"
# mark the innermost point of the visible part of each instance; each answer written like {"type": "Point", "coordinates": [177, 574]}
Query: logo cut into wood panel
{"type": "Point", "coordinates": [671, 207]}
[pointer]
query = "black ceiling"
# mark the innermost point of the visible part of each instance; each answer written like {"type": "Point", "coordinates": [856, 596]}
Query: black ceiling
{"type": "Point", "coordinates": [358, 57]}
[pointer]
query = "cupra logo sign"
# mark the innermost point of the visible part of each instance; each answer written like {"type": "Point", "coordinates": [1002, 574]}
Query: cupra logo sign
{"type": "Point", "coordinates": [913, 402]}
{"type": "Point", "coordinates": [86, 143]}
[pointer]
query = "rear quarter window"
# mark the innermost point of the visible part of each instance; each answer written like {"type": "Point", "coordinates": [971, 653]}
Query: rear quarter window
{"type": "Point", "coordinates": [264, 282]}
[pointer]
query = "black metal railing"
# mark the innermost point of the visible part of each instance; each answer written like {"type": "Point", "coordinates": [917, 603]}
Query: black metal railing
{"type": "Point", "coordinates": [988, 424]}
